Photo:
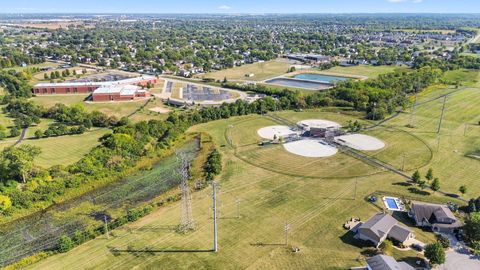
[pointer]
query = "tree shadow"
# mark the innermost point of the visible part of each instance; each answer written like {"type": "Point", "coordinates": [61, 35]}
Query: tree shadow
{"type": "Point", "coordinates": [153, 229]}
{"type": "Point", "coordinates": [403, 184]}
{"type": "Point", "coordinates": [418, 191]}
{"type": "Point", "coordinates": [412, 261]}
{"type": "Point", "coordinates": [349, 238]}
{"type": "Point", "coordinates": [117, 251]}
{"type": "Point", "coordinates": [261, 244]}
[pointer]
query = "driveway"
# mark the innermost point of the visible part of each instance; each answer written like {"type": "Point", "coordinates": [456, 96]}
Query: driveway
{"type": "Point", "coordinates": [458, 257]}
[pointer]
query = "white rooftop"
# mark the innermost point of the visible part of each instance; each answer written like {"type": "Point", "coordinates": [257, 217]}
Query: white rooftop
{"type": "Point", "coordinates": [101, 84]}
{"type": "Point", "coordinates": [122, 89]}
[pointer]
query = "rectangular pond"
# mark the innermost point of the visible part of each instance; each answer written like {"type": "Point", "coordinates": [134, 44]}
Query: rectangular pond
{"type": "Point", "coordinates": [298, 83]}
{"type": "Point", "coordinates": [320, 77]}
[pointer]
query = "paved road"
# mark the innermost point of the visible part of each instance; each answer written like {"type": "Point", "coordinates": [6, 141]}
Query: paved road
{"type": "Point", "coordinates": [458, 258]}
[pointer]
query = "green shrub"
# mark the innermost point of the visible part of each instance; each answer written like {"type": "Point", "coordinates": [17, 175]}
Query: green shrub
{"type": "Point", "coordinates": [65, 244]}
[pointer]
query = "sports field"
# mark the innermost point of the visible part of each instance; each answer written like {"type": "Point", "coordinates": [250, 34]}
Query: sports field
{"type": "Point", "coordinates": [261, 71]}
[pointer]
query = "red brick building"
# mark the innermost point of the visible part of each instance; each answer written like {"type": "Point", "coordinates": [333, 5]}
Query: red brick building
{"type": "Point", "coordinates": [87, 87]}
{"type": "Point", "coordinates": [119, 93]}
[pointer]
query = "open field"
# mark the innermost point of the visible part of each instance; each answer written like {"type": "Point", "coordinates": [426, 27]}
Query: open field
{"type": "Point", "coordinates": [362, 70]}
{"type": "Point", "coordinates": [65, 150]}
{"type": "Point", "coordinates": [118, 109]}
{"type": "Point", "coordinates": [464, 76]}
{"type": "Point", "coordinates": [262, 71]}
{"type": "Point", "coordinates": [314, 208]}
{"type": "Point", "coordinates": [459, 134]}
{"type": "Point", "coordinates": [41, 65]}
{"type": "Point", "coordinates": [39, 77]}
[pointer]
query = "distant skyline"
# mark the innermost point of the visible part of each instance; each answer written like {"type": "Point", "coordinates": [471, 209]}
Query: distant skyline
{"type": "Point", "coordinates": [243, 6]}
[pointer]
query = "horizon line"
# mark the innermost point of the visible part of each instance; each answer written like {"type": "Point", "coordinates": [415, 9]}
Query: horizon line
{"type": "Point", "coordinates": [233, 13]}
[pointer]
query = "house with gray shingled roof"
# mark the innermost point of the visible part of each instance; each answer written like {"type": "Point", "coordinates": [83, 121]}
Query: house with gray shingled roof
{"type": "Point", "coordinates": [383, 262]}
{"type": "Point", "coordinates": [382, 226]}
{"type": "Point", "coordinates": [437, 216]}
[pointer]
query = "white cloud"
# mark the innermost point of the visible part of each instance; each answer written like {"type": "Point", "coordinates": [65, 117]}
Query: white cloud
{"type": "Point", "coordinates": [224, 7]}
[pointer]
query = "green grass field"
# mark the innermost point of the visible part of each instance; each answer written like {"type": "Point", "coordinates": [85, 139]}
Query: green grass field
{"type": "Point", "coordinates": [363, 70]}
{"type": "Point", "coordinates": [314, 207]}
{"type": "Point", "coordinates": [41, 65]}
{"type": "Point", "coordinates": [65, 150]}
{"type": "Point", "coordinates": [118, 109]}
{"type": "Point", "coordinates": [262, 71]}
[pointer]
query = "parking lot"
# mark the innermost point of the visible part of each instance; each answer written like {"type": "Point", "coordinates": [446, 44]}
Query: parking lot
{"type": "Point", "coordinates": [202, 93]}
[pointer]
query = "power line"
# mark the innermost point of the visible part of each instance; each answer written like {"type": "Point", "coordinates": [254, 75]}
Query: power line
{"type": "Point", "coordinates": [441, 116]}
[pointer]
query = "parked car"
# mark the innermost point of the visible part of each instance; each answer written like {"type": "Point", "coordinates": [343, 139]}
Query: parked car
{"type": "Point", "coordinates": [416, 247]}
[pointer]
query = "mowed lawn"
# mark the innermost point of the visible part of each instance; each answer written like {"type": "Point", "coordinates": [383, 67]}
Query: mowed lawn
{"type": "Point", "coordinates": [315, 210]}
{"type": "Point", "coordinates": [118, 109]}
{"type": "Point", "coordinates": [261, 71]}
{"type": "Point", "coordinates": [458, 137]}
{"type": "Point", "coordinates": [363, 70]}
{"type": "Point", "coordinates": [65, 150]}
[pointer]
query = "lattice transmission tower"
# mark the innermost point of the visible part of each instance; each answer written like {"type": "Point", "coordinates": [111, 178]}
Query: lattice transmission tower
{"type": "Point", "coordinates": [187, 223]}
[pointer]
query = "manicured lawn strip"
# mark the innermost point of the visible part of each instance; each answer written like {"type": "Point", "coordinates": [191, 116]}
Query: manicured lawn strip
{"type": "Point", "coordinates": [65, 150]}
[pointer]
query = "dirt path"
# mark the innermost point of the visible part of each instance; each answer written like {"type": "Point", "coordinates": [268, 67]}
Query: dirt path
{"type": "Point", "coordinates": [22, 137]}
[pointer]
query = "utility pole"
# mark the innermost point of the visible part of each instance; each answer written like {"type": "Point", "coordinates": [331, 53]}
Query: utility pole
{"type": "Point", "coordinates": [237, 201]}
{"type": "Point", "coordinates": [106, 225]}
{"type": "Point", "coordinates": [286, 228]}
{"type": "Point", "coordinates": [215, 237]}
{"type": "Point", "coordinates": [403, 163]}
{"type": "Point", "coordinates": [441, 116]}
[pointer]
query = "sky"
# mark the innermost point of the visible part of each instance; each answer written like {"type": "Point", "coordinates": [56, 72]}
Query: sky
{"type": "Point", "coordinates": [240, 6]}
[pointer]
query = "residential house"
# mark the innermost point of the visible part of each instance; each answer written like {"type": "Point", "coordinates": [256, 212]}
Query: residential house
{"type": "Point", "coordinates": [382, 226]}
{"type": "Point", "coordinates": [436, 216]}
{"type": "Point", "coordinates": [384, 262]}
